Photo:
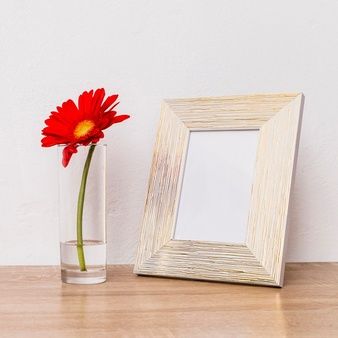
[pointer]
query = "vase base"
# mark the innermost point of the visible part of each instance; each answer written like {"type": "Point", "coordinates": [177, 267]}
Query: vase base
{"type": "Point", "coordinates": [83, 277]}
{"type": "Point", "coordinates": [95, 257]}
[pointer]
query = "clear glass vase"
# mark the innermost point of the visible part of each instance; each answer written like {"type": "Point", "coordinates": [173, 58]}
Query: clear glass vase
{"type": "Point", "coordinates": [82, 216]}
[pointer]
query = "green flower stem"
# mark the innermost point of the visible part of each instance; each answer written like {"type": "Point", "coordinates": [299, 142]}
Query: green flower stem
{"type": "Point", "coordinates": [80, 203]}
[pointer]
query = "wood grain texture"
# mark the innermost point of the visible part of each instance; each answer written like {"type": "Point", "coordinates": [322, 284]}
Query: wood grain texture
{"type": "Point", "coordinates": [207, 261]}
{"type": "Point", "coordinates": [34, 303]}
{"type": "Point", "coordinates": [278, 142]}
{"type": "Point", "coordinates": [228, 112]}
{"type": "Point", "coordinates": [164, 185]}
{"type": "Point", "coordinates": [260, 261]}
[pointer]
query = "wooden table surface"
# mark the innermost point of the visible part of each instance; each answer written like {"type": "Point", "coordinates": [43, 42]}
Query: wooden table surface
{"type": "Point", "coordinates": [34, 303]}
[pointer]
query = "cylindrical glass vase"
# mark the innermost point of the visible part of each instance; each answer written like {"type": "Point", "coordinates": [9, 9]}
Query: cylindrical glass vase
{"type": "Point", "coordinates": [82, 215]}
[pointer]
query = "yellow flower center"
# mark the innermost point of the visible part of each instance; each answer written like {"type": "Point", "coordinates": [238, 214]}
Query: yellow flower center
{"type": "Point", "coordinates": [83, 128]}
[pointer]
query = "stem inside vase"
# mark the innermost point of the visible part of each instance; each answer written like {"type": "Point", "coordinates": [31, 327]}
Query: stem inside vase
{"type": "Point", "coordinates": [80, 204]}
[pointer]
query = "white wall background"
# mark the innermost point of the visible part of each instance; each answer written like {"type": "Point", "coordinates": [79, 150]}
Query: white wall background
{"type": "Point", "coordinates": [148, 50]}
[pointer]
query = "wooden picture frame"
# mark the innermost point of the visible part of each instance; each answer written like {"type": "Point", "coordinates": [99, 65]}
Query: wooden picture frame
{"type": "Point", "coordinates": [261, 259]}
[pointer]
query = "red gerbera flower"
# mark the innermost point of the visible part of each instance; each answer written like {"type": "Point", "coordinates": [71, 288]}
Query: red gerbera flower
{"type": "Point", "coordinates": [83, 124]}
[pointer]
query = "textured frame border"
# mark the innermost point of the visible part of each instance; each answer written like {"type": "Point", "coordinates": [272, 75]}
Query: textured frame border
{"type": "Point", "coordinates": [260, 259]}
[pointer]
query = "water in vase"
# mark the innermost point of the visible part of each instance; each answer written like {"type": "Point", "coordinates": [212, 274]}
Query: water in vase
{"type": "Point", "coordinates": [95, 260]}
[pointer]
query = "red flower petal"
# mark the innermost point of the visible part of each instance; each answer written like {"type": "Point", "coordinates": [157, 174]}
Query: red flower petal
{"type": "Point", "coordinates": [56, 130]}
{"type": "Point", "coordinates": [120, 118]}
{"type": "Point", "coordinates": [67, 153]}
{"type": "Point", "coordinates": [69, 109]}
{"type": "Point", "coordinates": [109, 101]}
{"type": "Point", "coordinates": [110, 118]}
{"type": "Point", "coordinates": [49, 141]}
{"type": "Point", "coordinates": [94, 137]}
{"type": "Point", "coordinates": [97, 102]}
{"type": "Point", "coordinates": [85, 104]}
